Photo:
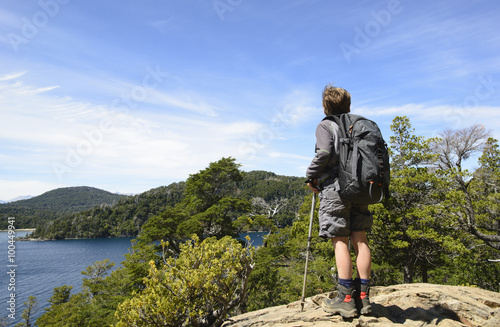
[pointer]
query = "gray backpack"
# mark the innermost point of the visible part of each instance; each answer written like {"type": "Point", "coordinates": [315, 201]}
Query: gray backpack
{"type": "Point", "coordinates": [364, 172]}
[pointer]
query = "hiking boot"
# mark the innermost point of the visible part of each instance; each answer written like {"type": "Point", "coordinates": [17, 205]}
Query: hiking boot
{"type": "Point", "coordinates": [343, 304]}
{"type": "Point", "coordinates": [362, 298]}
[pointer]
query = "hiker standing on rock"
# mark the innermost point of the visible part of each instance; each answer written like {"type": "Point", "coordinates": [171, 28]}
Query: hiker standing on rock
{"type": "Point", "coordinates": [340, 219]}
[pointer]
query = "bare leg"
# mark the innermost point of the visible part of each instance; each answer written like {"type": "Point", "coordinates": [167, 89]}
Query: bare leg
{"type": "Point", "coordinates": [345, 302]}
{"type": "Point", "coordinates": [342, 256]}
{"type": "Point", "coordinates": [363, 254]}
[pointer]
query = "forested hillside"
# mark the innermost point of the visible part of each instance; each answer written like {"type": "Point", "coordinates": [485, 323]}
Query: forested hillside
{"type": "Point", "coordinates": [124, 218]}
{"type": "Point", "coordinates": [53, 204]}
{"type": "Point", "coordinates": [277, 197]}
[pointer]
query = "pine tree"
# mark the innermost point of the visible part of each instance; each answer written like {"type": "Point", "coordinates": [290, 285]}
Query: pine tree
{"type": "Point", "coordinates": [407, 234]}
{"type": "Point", "coordinates": [27, 315]}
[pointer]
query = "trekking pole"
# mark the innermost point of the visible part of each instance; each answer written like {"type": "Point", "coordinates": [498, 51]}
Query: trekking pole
{"type": "Point", "coordinates": [308, 249]}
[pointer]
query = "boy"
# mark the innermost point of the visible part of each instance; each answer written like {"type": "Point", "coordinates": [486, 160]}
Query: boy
{"type": "Point", "coordinates": [340, 219]}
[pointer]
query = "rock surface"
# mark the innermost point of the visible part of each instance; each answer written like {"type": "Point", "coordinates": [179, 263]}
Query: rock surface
{"type": "Point", "coordinates": [409, 305]}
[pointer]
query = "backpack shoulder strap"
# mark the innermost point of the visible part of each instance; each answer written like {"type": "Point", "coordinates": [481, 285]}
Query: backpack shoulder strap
{"type": "Point", "coordinates": [340, 120]}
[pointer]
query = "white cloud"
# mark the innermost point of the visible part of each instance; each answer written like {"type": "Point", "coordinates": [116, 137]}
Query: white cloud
{"type": "Point", "coordinates": [73, 143]}
{"type": "Point", "coordinates": [10, 76]}
{"type": "Point", "coordinates": [21, 187]}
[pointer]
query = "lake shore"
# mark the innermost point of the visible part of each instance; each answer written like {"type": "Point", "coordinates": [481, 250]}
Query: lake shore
{"type": "Point", "coordinates": [20, 230]}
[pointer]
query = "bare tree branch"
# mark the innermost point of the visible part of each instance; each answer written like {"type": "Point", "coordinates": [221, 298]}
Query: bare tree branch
{"type": "Point", "coordinates": [456, 146]}
{"type": "Point", "coordinates": [453, 148]}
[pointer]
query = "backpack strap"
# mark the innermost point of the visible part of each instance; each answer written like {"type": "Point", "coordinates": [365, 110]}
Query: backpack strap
{"type": "Point", "coordinates": [345, 139]}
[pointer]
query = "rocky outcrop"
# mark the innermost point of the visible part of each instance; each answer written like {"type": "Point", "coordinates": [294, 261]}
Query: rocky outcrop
{"type": "Point", "coordinates": [408, 305]}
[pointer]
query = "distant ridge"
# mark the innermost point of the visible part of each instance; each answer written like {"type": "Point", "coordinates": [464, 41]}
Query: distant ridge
{"type": "Point", "coordinates": [54, 204]}
{"type": "Point", "coordinates": [68, 199]}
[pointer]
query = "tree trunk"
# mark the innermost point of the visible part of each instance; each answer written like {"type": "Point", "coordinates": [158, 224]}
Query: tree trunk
{"type": "Point", "coordinates": [408, 270]}
{"type": "Point", "coordinates": [425, 276]}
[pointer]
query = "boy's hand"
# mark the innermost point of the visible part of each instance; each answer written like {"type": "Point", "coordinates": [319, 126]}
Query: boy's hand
{"type": "Point", "coordinates": [313, 186]}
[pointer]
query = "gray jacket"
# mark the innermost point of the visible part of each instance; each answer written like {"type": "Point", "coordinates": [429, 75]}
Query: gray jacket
{"type": "Point", "coordinates": [325, 164]}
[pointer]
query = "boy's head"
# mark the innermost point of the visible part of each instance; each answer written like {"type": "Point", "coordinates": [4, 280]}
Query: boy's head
{"type": "Point", "coordinates": [336, 100]}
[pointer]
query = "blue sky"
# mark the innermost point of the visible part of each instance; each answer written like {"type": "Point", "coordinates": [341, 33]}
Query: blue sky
{"type": "Point", "coordinates": [131, 95]}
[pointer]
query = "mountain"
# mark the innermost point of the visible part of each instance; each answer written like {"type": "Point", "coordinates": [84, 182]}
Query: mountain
{"type": "Point", "coordinates": [54, 204]}
{"type": "Point", "coordinates": [124, 218]}
{"type": "Point", "coordinates": [2, 202]}
{"type": "Point", "coordinates": [67, 199]}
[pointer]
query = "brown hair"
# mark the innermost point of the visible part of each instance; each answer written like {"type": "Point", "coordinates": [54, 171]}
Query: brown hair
{"type": "Point", "coordinates": [336, 100]}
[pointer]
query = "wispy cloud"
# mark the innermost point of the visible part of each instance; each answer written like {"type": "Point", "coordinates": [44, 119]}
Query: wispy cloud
{"type": "Point", "coordinates": [190, 101]}
{"type": "Point", "coordinates": [436, 46]}
{"type": "Point", "coordinates": [299, 106]}
{"type": "Point", "coordinates": [288, 156]}
{"type": "Point", "coordinates": [11, 76]}
{"type": "Point", "coordinates": [73, 140]}
{"type": "Point", "coordinates": [429, 120]}
{"type": "Point", "coordinates": [164, 25]}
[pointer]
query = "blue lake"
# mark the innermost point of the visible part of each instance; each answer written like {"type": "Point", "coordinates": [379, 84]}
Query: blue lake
{"type": "Point", "coordinates": [42, 266]}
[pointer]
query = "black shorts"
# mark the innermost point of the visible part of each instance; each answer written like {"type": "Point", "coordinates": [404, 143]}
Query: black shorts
{"type": "Point", "coordinates": [339, 218]}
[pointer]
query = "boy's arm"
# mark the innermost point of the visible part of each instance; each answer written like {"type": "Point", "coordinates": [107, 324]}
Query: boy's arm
{"type": "Point", "coordinates": [325, 144]}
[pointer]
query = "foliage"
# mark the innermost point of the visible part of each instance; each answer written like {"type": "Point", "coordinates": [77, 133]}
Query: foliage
{"type": "Point", "coordinates": [31, 308]}
{"type": "Point", "coordinates": [204, 215]}
{"type": "Point", "coordinates": [440, 216]}
{"type": "Point", "coordinates": [277, 197]}
{"type": "Point", "coordinates": [279, 265]}
{"type": "Point", "coordinates": [200, 288]}
{"type": "Point", "coordinates": [210, 185]}
{"type": "Point", "coordinates": [95, 305]}
{"type": "Point", "coordinates": [216, 220]}
{"type": "Point", "coordinates": [474, 197]}
{"type": "Point", "coordinates": [487, 188]}
{"type": "Point", "coordinates": [65, 310]}
{"type": "Point", "coordinates": [407, 231]}
{"type": "Point", "coordinates": [470, 204]}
